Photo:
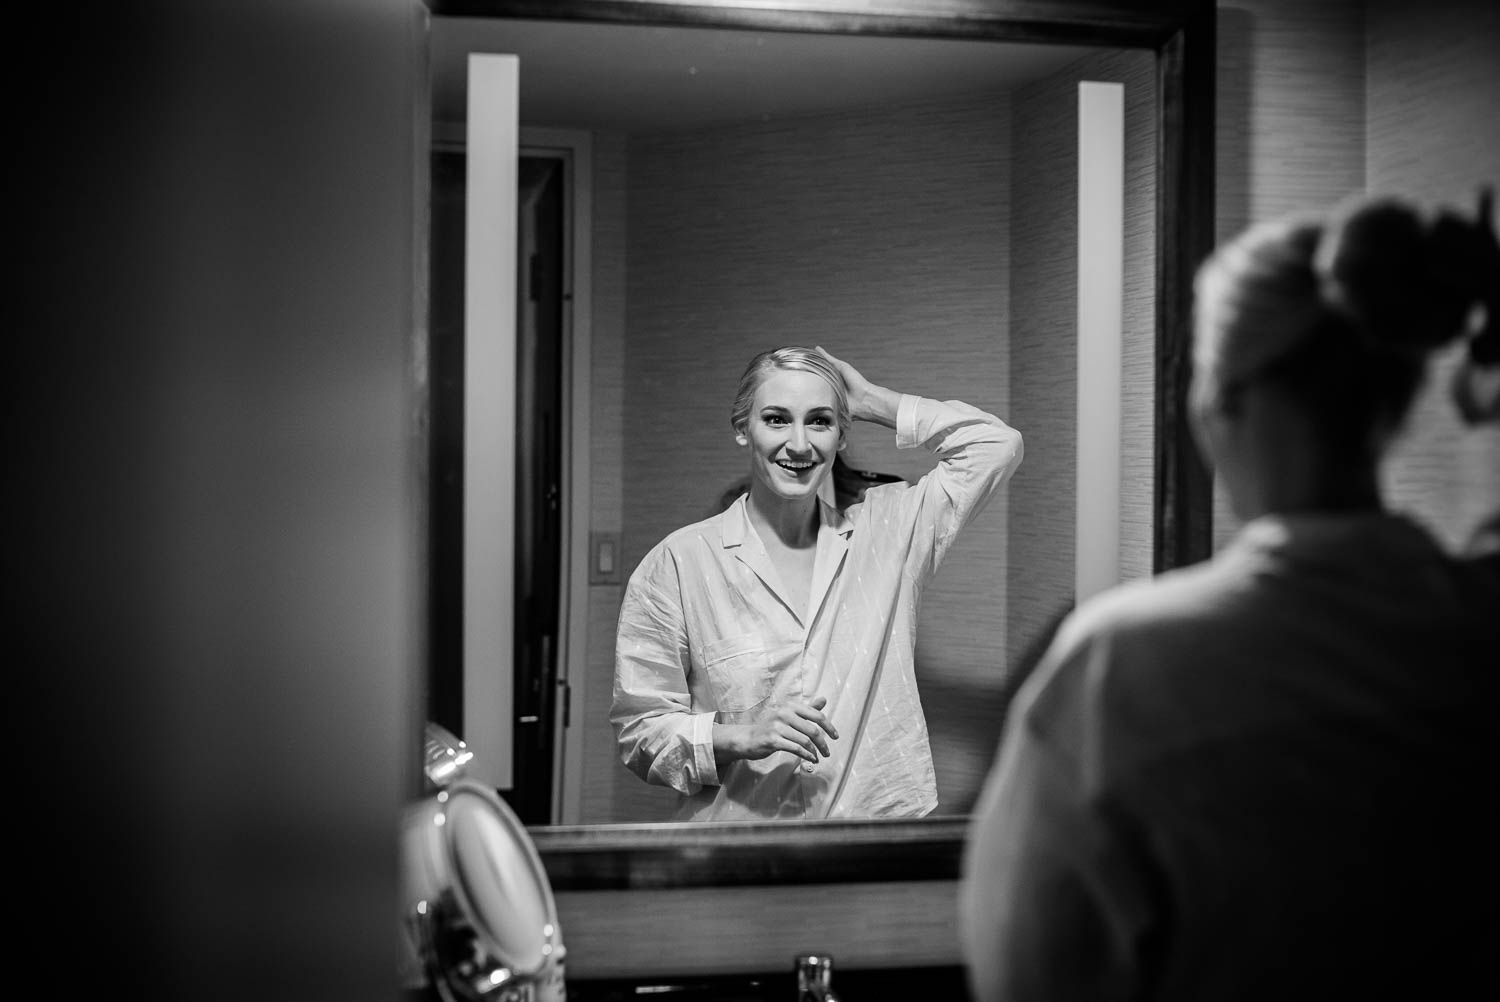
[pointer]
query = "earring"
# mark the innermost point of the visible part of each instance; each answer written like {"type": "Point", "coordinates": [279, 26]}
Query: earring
{"type": "Point", "coordinates": [742, 440]}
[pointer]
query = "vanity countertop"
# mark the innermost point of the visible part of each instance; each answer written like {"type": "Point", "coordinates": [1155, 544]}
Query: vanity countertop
{"type": "Point", "coordinates": [945, 983]}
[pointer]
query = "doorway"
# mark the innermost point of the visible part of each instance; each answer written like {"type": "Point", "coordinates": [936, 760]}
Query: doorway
{"type": "Point", "coordinates": [540, 705]}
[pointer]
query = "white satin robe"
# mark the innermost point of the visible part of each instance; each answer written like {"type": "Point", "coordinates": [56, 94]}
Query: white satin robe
{"type": "Point", "coordinates": [705, 627]}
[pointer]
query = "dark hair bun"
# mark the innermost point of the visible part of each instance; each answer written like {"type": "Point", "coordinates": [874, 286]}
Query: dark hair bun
{"type": "Point", "coordinates": [1405, 283]}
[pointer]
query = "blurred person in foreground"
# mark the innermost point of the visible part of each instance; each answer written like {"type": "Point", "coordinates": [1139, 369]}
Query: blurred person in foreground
{"type": "Point", "coordinates": [1267, 776]}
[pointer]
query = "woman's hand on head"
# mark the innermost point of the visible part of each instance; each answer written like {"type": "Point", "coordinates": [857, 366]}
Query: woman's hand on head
{"type": "Point", "coordinates": [794, 726]}
{"type": "Point", "coordinates": [867, 401]}
{"type": "Point", "coordinates": [857, 385]}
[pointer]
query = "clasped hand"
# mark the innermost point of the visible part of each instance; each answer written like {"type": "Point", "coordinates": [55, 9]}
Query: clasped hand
{"type": "Point", "coordinates": [790, 726]}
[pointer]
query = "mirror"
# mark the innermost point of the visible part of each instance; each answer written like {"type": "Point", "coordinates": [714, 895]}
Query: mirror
{"type": "Point", "coordinates": [942, 260]}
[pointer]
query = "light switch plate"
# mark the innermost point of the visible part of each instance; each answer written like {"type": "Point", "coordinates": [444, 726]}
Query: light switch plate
{"type": "Point", "coordinates": [604, 558]}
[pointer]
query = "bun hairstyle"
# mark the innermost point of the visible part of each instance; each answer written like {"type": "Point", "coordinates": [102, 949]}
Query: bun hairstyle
{"type": "Point", "coordinates": [1340, 312]}
{"type": "Point", "coordinates": [1407, 283]}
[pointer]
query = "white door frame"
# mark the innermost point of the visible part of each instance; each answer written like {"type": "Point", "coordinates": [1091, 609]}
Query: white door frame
{"type": "Point", "coordinates": [576, 149]}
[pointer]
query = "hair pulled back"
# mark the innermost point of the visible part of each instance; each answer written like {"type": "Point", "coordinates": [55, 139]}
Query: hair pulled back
{"type": "Point", "coordinates": [1340, 311]}
{"type": "Point", "coordinates": [796, 359]}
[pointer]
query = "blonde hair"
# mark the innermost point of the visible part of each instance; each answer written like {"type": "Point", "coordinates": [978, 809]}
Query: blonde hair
{"type": "Point", "coordinates": [788, 358]}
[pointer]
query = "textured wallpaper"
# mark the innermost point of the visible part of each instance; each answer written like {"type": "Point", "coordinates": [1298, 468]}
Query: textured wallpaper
{"type": "Point", "coordinates": [1290, 107]}
{"type": "Point", "coordinates": [602, 770]}
{"type": "Point", "coordinates": [1433, 120]}
{"type": "Point", "coordinates": [1044, 340]}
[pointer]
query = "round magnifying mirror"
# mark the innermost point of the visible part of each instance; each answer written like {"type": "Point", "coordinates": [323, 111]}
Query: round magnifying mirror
{"type": "Point", "coordinates": [480, 904]}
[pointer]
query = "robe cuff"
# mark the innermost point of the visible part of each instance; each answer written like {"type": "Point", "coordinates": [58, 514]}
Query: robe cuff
{"type": "Point", "coordinates": [703, 749]}
{"type": "Point", "coordinates": [906, 422]}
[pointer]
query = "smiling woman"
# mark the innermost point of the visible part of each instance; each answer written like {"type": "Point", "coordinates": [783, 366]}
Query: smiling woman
{"type": "Point", "coordinates": [765, 656]}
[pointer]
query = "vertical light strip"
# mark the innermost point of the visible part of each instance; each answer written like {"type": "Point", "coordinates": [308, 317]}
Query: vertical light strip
{"type": "Point", "coordinates": [490, 416]}
{"type": "Point", "coordinates": [1101, 250]}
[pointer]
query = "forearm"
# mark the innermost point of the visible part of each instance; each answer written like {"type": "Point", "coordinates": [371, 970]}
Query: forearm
{"type": "Point", "coordinates": [970, 443]}
{"type": "Point", "coordinates": [669, 749]}
{"type": "Point", "coordinates": [977, 452]}
{"type": "Point", "coordinates": [661, 736]}
{"type": "Point", "coordinates": [876, 404]}
{"type": "Point", "coordinates": [881, 405]}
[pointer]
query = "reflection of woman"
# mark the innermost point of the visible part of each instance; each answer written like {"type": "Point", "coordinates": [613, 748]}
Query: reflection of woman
{"type": "Point", "coordinates": [763, 665]}
{"type": "Point", "coordinates": [1264, 776]}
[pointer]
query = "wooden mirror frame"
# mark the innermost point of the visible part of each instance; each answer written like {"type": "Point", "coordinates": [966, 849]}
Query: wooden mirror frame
{"type": "Point", "coordinates": [1182, 35]}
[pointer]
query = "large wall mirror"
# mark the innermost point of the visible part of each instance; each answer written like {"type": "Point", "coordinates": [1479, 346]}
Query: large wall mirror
{"type": "Point", "coordinates": [693, 183]}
